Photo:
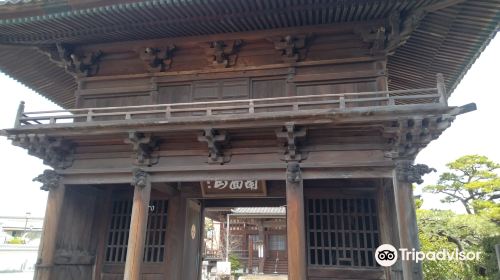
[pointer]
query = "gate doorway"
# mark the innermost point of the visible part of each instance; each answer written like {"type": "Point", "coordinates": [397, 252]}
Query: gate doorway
{"type": "Point", "coordinates": [250, 235]}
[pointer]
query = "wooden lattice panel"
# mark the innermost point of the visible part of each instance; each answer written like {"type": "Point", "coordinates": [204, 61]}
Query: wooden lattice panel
{"type": "Point", "coordinates": [342, 232]}
{"type": "Point", "coordinates": [157, 227]}
{"type": "Point", "coordinates": [118, 232]}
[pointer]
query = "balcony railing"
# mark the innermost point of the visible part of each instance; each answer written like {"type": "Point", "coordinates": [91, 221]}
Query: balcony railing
{"type": "Point", "coordinates": [283, 105]}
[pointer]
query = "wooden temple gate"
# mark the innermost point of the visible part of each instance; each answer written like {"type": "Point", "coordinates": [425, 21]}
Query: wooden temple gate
{"type": "Point", "coordinates": [327, 104]}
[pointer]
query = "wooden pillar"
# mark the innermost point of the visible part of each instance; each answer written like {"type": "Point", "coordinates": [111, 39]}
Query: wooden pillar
{"type": "Point", "coordinates": [389, 231]}
{"type": "Point", "coordinates": [403, 177]}
{"type": "Point", "coordinates": [295, 224]}
{"type": "Point", "coordinates": [260, 225]}
{"type": "Point", "coordinates": [51, 182]}
{"type": "Point", "coordinates": [138, 224]}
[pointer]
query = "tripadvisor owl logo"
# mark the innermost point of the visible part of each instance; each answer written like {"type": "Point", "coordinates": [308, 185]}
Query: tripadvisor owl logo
{"type": "Point", "coordinates": [386, 255]}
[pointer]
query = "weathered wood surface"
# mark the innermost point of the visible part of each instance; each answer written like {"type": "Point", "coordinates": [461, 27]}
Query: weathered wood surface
{"type": "Point", "coordinates": [46, 254]}
{"type": "Point", "coordinates": [138, 225]}
{"type": "Point", "coordinates": [191, 257]}
{"type": "Point", "coordinates": [296, 240]}
{"type": "Point", "coordinates": [407, 225]}
{"type": "Point", "coordinates": [306, 103]}
{"type": "Point", "coordinates": [388, 224]}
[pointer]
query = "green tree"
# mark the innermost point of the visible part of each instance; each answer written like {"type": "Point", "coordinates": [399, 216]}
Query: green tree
{"type": "Point", "coordinates": [447, 230]}
{"type": "Point", "coordinates": [474, 182]}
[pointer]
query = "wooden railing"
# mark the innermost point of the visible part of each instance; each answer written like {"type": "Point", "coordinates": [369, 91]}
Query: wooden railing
{"type": "Point", "coordinates": [288, 104]}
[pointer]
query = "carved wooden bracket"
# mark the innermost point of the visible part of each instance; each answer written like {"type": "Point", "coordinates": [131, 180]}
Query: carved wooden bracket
{"type": "Point", "coordinates": [396, 30]}
{"type": "Point", "coordinates": [375, 36]}
{"type": "Point", "coordinates": [215, 140]}
{"type": "Point", "coordinates": [408, 172]}
{"type": "Point", "coordinates": [293, 173]}
{"type": "Point", "coordinates": [144, 146]}
{"type": "Point", "coordinates": [139, 178]}
{"type": "Point", "coordinates": [222, 54]}
{"type": "Point", "coordinates": [290, 136]}
{"type": "Point", "coordinates": [408, 136]}
{"type": "Point", "coordinates": [158, 59]}
{"type": "Point", "coordinates": [55, 152]}
{"type": "Point", "coordinates": [292, 48]}
{"type": "Point", "coordinates": [49, 179]}
{"type": "Point", "coordinates": [82, 65]}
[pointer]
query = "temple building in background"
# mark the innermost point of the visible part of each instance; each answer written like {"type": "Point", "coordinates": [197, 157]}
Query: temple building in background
{"type": "Point", "coordinates": [173, 108]}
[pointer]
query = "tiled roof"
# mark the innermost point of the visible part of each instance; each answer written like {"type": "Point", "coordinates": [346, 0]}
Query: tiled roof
{"type": "Point", "coordinates": [5, 2]}
{"type": "Point", "coordinates": [447, 40]}
{"type": "Point", "coordinates": [260, 210]}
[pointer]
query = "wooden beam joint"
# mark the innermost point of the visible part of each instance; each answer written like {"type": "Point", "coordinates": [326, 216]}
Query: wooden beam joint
{"type": "Point", "coordinates": [158, 59]}
{"type": "Point", "coordinates": [290, 136]}
{"type": "Point", "coordinates": [144, 146]}
{"type": "Point", "coordinates": [216, 142]}
{"type": "Point", "coordinates": [55, 152]}
{"type": "Point", "coordinates": [291, 47]}
{"type": "Point", "coordinates": [223, 54]}
{"type": "Point", "coordinates": [79, 64]}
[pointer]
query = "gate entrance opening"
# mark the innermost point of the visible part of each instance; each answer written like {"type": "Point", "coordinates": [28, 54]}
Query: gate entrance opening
{"type": "Point", "coordinates": [252, 239]}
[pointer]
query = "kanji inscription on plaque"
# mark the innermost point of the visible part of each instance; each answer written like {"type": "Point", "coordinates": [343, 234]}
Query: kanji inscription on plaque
{"type": "Point", "coordinates": [233, 188]}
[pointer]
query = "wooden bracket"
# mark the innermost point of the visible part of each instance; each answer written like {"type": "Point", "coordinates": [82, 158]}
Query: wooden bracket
{"type": "Point", "coordinates": [55, 152]}
{"type": "Point", "coordinates": [81, 65]}
{"type": "Point", "coordinates": [158, 59]}
{"type": "Point", "coordinates": [144, 146]}
{"type": "Point", "coordinates": [408, 136]}
{"type": "Point", "coordinates": [289, 135]}
{"type": "Point", "coordinates": [49, 179]}
{"type": "Point", "coordinates": [291, 47]}
{"type": "Point", "coordinates": [412, 173]}
{"type": "Point", "coordinates": [139, 178]}
{"type": "Point", "coordinates": [215, 141]}
{"type": "Point", "coordinates": [222, 54]}
{"type": "Point", "coordinates": [293, 173]}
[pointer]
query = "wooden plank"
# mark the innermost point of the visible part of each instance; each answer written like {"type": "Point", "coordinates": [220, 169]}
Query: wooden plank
{"type": "Point", "coordinates": [137, 233]}
{"type": "Point", "coordinates": [46, 251]}
{"type": "Point", "coordinates": [296, 240]}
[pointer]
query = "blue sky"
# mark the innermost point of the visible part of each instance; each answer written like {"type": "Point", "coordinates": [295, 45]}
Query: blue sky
{"type": "Point", "coordinates": [474, 133]}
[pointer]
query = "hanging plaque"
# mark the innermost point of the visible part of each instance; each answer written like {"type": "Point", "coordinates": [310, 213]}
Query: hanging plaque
{"type": "Point", "coordinates": [233, 188]}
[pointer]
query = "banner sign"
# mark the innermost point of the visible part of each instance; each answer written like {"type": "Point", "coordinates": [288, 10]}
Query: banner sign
{"type": "Point", "coordinates": [233, 188]}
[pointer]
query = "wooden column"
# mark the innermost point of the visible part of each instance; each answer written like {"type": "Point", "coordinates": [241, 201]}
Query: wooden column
{"type": "Point", "coordinates": [260, 226]}
{"type": "Point", "coordinates": [46, 252]}
{"type": "Point", "coordinates": [295, 225]}
{"type": "Point", "coordinates": [138, 224]}
{"type": "Point", "coordinates": [404, 175]}
{"type": "Point", "coordinates": [389, 231]}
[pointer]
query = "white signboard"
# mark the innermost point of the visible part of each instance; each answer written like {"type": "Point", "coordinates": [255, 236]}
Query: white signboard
{"type": "Point", "coordinates": [223, 268]}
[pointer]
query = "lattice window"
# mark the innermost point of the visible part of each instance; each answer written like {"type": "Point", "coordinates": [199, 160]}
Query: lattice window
{"type": "Point", "coordinates": [116, 245]}
{"type": "Point", "coordinates": [157, 227]}
{"type": "Point", "coordinates": [342, 232]}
